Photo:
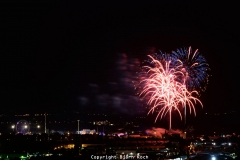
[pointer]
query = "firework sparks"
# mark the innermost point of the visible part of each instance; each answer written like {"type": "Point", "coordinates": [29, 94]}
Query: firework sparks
{"type": "Point", "coordinates": [164, 92]}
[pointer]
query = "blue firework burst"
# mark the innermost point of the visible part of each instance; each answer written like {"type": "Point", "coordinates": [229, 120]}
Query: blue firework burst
{"type": "Point", "coordinates": [194, 66]}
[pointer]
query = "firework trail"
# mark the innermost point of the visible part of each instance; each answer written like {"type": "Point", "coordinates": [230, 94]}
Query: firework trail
{"type": "Point", "coordinates": [165, 94]}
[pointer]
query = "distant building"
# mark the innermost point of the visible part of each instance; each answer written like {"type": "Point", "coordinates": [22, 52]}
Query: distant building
{"type": "Point", "coordinates": [87, 131]}
{"type": "Point", "coordinates": [134, 135]}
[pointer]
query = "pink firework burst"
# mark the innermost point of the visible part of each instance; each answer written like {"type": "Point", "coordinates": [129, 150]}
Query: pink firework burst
{"type": "Point", "coordinates": [164, 93]}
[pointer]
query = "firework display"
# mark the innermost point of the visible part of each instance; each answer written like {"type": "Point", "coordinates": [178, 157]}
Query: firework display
{"type": "Point", "coordinates": [171, 82]}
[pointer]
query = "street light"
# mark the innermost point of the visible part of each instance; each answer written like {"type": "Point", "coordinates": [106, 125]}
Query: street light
{"type": "Point", "coordinates": [13, 126]}
{"type": "Point", "coordinates": [38, 126]}
{"type": "Point", "coordinates": [78, 126]}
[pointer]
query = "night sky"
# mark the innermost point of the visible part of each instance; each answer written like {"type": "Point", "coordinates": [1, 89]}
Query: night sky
{"type": "Point", "coordinates": [50, 52]}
